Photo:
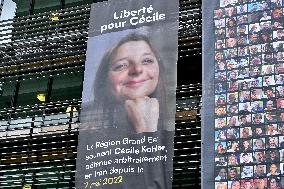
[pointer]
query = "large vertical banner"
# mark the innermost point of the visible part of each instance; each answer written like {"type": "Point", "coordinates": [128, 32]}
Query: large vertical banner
{"type": "Point", "coordinates": [128, 106]}
{"type": "Point", "coordinates": [248, 97]}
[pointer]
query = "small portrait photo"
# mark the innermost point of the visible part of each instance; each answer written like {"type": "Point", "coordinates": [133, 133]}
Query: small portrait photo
{"type": "Point", "coordinates": [271, 129]}
{"type": "Point", "coordinates": [253, 7]}
{"type": "Point", "coordinates": [221, 160]}
{"type": "Point", "coordinates": [221, 185]}
{"type": "Point", "coordinates": [267, 69]}
{"type": "Point", "coordinates": [260, 183]}
{"type": "Point", "coordinates": [259, 157]}
{"type": "Point", "coordinates": [265, 26]}
{"type": "Point", "coordinates": [242, 30]}
{"type": "Point", "coordinates": [277, 13]}
{"type": "Point", "coordinates": [280, 116]}
{"type": "Point", "coordinates": [224, 3]}
{"type": "Point", "coordinates": [247, 172]}
{"type": "Point", "coordinates": [244, 96]}
{"type": "Point", "coordinates": [278, 35]}
{"type": "Point", "coordinates": [243, 73]}
{"type": "Point", "coordinates": [243, 51]}
{"type": "Point", "coordinates": [254, 38]}
{"type": "Point", "coordinates": [259, 171]}
{"type": "Point", "coordinates": [219, 13]}
{"type": "Point", "coordinates": [265, 37]}
{"type": "Point", "coordinates": [276, 3]}
{"type": "Point", "coordinates": [233, 86]}
{"type": "Point", "coordinates": [255, 49]}
{"type": "Point", "coordinates": [256, 82]}
{"type": "Point", "coordinates": [220, 44]}
{"type": "Point", "coordinates": [268, 80]}
{"type": "Point", "coordinates": [232, 133]}
{"type": "Point", "coordinates": [281, 129]}
{"type": "Point", "coordinates": [277, 24]}
{"type": "Point", "coordinates": [220, 76]}
{"type": "Point", "coordinates": [273, 170]}
{"type": "Point", "coordinates": [235, 184]}
{"type": "Point", "coordinates": [231, 23]}
{"type": "Point", "coordinates": [242, 9]}
{"type": "Point", "coordinates": [233, 159]}
{"type": "Point", "coordinates": [220, 66]}
{"type": "Point", "coordinates": [219, 56]}
{"type": "Point", "coordinates": [257, 118]}
{"type": "Point", "coordinates": [231, 63]}
{"type": "Point", "coordinates": [256, 94]}
{"type": "Point", "coordinates": [232, 109]}
{"type": "Point", "coordinates": [244, 108]}
{"type": "Point", "coordinates": [268, 92]}
{"type": "Point", "coordinates": [257, 107]}
{"type": "Point", "coordinates": [220, 87]}
{"type": "Point", "coordinates": [220, 148]}
{"type": "Point", "coordinates": [244, 120]}
{"type": "Point", "coordinates": [268, 47]}
{"type": "Point", "coordinates": [230, 11]}
{"type": "Point", "coordinates": [254, 28]}
{"type": "Point", "coordinates": [220, 23]}
{"type": "Point", "coordinates": [265, 16]}
{"type": "Point", "coordinates": [220, 135]}
{"type": "Point", "coordinates": [255, 71]}
{"type": "Point", "coordinates": [244, 62]}
{"type": "Point", "coordinates": [242, 40]}
{"type": "Point", "coordinates": [242, 19]}
{"type": "Point", "coordinates": [220, 123]}
{"type": "Point", "coordinates": [279, 79]}
{"type": "Point", "coordinates": [255, 60]}
{"type": "Point", "coordinates": [280, 104]}
{"type": "Point", "coordinates": [220, 33]}
{"type": "Point", "coordinates": [272, 156]}
{"type": "Point", "coordinates": [232, 121]}
{"type": "Point", "coordinates": [281, 151]}
{"type": "Point", "coordinates": [246, 145]}
{"type": "Point", "coordinates": [246, 158]}
{"type": "Point", "coordinates": [231, 54]}
{"type": "Point", "coordinates": [233, 146]}
{"type": "Point", "coordinates": [282, 169]}
{"type": "Point", "coordinates": [220, 174]}
{"type": "Point", "coordinates": [220, 100]}
{"type": "Point", "coordinates": [272, 142]}
{"type": "Point", "coordinates": [233, 173]}
{"type": "Point", "coordinates": [279, 68]}
{"type": "Point", "coordinates": [259, 131]}
{"type": "Point", "coordinates": [232, 75]}
{"type": "Point", "coordinates": [279, 56]}
{"type": "Point", "coordinates": [259, 144]}
{"type": "Point", "coordinates": [232, 97]}
{"type": "Point", "coordinates": [280, 91]}
{"type": "Point", "coordinates": [245, 132]}
{"type": "Point", "coordinates": [270, 117]}
{"type": "Point", "coordinates": [231, 42]}
{"type": "Point", "coordinates": [267, 58]}
{"type": "Point", "coordinates": [281, 141]}
{"type": "Point", "coordinates": [220, 111]}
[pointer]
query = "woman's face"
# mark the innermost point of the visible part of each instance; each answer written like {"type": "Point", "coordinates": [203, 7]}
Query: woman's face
{"type": "Point", "coordinates": [134, 71]}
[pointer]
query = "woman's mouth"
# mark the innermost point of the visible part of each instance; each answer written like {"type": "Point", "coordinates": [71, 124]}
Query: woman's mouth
{"type": "Point", "coordinates": [134, 83]}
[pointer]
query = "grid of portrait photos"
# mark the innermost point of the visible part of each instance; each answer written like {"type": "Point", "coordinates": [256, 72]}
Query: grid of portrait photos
{"type": "Point", "coordinates": [249, 94]}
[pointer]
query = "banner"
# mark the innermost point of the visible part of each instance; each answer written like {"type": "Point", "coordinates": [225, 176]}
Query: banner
{"type": "Point", "coordinates": [247, 100]}
{"type": "Point", "coordinates": [128, 102]}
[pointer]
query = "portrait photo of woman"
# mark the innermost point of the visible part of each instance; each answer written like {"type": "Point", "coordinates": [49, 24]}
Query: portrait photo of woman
{"type": "Point", "coordinates": [128, 90]}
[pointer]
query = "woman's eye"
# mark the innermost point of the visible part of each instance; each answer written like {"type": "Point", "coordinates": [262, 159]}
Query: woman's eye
{"type": "Point", "coordinates": [147, 61]}
{"type": "Point", "coordinates": [119, 66]}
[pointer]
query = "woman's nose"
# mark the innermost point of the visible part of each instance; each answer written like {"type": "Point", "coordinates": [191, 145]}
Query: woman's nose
{"type": "Point", "coordinates": [135, 69]}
